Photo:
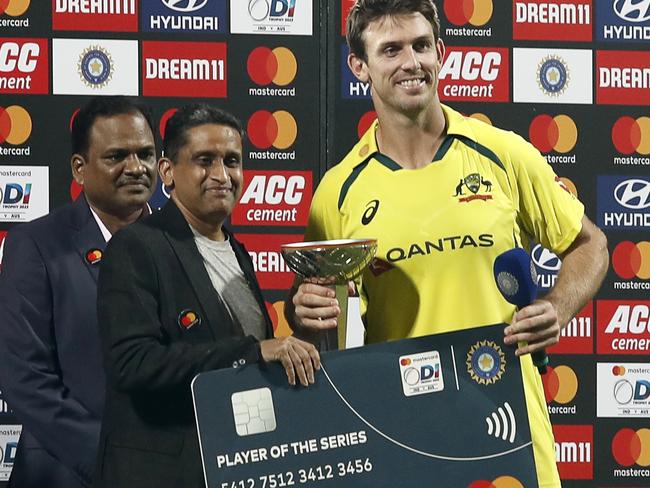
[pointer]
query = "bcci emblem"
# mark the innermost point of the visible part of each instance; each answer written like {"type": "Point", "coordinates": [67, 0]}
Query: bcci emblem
{"type": "Point", "coordinates": [486, 362]}
{"type": "Point", "coordinates": [553, 76]}
{"type": "Point", "coordinates": [473, 183]}
{"type": "Point", "coordinates": [95, 67]}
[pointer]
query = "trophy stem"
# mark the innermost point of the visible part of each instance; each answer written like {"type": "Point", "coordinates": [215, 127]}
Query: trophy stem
{"type": "Point", "coordinates": [342, 321]}
{"type": "Point", "coordinates": [336, 339]}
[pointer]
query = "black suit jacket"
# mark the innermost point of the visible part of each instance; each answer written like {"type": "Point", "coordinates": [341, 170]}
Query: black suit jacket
{"type": "Point", "coordinates": [152, 276]}
{"type": "Point", "coordinates": [51, 371]}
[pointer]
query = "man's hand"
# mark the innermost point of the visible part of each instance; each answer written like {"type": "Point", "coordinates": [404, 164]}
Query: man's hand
{"type": "Point", "coordinates": [315, 306]}
{"type": "Point", "coordinates": [299, 358]}
{"type": "Point", "coordinates": [535, 325]}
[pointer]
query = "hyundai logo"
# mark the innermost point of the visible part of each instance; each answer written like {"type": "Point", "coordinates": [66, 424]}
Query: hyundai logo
{"type": "Point", "coordinates": [632, 10]}
{"type": "Point", "coordinates": [185, 5]}
{"type": "Point", "coordinates": [545, 259]}
{"type": "Point", "coordinates": [633, 194]}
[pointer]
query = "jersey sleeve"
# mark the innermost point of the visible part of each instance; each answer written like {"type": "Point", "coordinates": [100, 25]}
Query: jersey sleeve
{"type": "Point", "coordinates": [548, 211]}
{"type": "Point", "coordinates": [324, 216]}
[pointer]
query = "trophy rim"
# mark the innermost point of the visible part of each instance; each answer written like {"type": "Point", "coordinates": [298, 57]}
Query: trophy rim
{"type": "Point", "coordinates": [339, 243]}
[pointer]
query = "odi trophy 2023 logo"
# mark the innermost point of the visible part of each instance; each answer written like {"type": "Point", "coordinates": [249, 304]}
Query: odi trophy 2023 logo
{"type": "Point", "coordinates": [24, 193]}
{"type": "Point", "coordinates": [623, 390]}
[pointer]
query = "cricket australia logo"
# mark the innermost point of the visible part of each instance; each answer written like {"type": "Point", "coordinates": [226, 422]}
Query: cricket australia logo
{"type": "Point", "coordinates": [474, 183]}
{"type": "Point", "coordinates": [95, 67]}
{"type": "Point", "coordinates": [486, 362]}
{"type": "Point", "coordinates": [553, 76]}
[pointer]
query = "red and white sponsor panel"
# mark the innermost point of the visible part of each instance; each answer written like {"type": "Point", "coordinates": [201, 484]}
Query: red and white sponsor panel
{"type": "Point", "coordinates": [552, 20]}
{"type": "Point", "coordinates": [184, 69]}
{"type": "Point", "coordinates": [578, 336]}
{"type": "Point", "coordinates": [474, 74]}
{"type": "Point", "coordinates": [274, 198]}
{"type": "Point", "coordinates": [623, 327]}
{"type": "Point", "coordinates": [265, 251]}
{"type": "Point", "coordinates": [574, 451]}
{"type": "Point", "coordinates": [94, 15]}
{"type": "Point", "coordinates": [24, 66]}
{"type": "Point", "coordinates": [623, 77]}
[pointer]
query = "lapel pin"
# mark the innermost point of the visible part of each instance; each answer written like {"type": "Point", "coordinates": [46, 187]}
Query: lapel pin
{"type": "Point", "coordinates": [94, 256]}
{"type": "Point", "coordinates": [188, 319]}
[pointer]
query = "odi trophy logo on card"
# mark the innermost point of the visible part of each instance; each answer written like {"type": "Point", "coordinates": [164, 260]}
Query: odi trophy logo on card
{"type": "Point", "coordinates": [421, 373]}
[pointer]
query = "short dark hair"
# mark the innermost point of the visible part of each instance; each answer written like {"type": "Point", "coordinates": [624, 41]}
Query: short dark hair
{"type": "Point", "coordinates": [363, 12]}
{"type": "Point", "coordinates": [193, 115]}
{"type": "Point", "coordinates": [104, 106]}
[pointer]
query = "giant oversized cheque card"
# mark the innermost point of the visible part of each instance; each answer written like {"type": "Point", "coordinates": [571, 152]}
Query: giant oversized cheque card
{"type": "Point", "coordinates": [444, 411]}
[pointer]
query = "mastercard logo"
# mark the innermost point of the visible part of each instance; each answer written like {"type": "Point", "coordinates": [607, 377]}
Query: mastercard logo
{"type": "Point", "coordinates": [567, 185]}
{"type": "Point", "coordinates": [481, 117]}
{"type": "Point", "coordinates": [365, 122]}
{"type": "Point", "coordinates": [277, 129]}
{"type": "Point", "coordinates": [280, 325]}
{"type": "Point", "coordinates": [475, 12]}
{"type": "Point", "coordinates": [267, 66]}
{"type": "Point", "coordinates": [560, 384]}
{"type": "Point", "coordinates": [631, 135]}
{"type": "Point", "coordinates": [500, 482]}
{"type": "Point", "coordinates": [558, 133]}
{"type": "Point", "coordinates": [15, 124]}
{"type": "Point", "coordinates": [618, 370]}
{"type": "Point", "coordinates": [630, 447]}
{"type": "Point", "coordinates": [14, 8]}
{"type": "Point", "coordinates": [631, 260]}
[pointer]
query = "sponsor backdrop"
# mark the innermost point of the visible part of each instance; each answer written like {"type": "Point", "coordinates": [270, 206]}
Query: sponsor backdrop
{"type": "Point", "coordinates": [573, 76]}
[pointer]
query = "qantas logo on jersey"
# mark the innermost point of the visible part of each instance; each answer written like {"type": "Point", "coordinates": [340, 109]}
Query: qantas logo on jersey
{"type": "Point", "coordinates": [443, 244]}
{"type": "Point", "coordinates": [473, 182]}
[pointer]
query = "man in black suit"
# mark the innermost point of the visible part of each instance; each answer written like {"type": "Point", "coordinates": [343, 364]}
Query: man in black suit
{"type": "Point", "coordinates": [178, 296]}
{"type": "Point", "coordinates": [52, 373]}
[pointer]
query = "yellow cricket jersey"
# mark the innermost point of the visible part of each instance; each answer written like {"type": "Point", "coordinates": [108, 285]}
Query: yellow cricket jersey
{"type": "Point", "coordinates": [439, 229]}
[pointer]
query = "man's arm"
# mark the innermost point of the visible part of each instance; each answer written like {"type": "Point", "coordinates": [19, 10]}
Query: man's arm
{"type": "Point", "coordinates": [141, 356]}
{"type": "Point", "coordinates": [30, 376]}
{"type": "Point", "coordinates": [584, 265]}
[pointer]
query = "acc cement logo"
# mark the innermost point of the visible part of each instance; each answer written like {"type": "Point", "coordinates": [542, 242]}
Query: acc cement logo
{"type": "Point", "coordinates": [95, 67]}
{"type": "Point", "coordinates": [553, 75]}
{"type": "Point", "coordinates": [185, 5]}
{"type": "Point", "coordinates": [633, 194]}
{"type": "Point", "coordinates": [632, 10]}
{"type": "Point", "coordinates": [253, 411]}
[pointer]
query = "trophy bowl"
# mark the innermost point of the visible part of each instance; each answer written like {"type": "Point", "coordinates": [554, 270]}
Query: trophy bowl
{"type": "Point", "coordinates": [339, 260]}
{"type": "Point", "coordinates": [332, 263]}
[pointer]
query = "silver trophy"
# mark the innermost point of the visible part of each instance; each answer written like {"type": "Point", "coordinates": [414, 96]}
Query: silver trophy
{"type": "Point", "coordinates": [333, 263]}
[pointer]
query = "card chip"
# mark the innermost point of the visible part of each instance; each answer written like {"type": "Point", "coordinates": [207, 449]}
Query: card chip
{"type": "Point", "coordinates": [253, 411]}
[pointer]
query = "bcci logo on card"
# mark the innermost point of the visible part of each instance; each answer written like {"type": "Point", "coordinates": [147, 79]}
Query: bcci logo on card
{"type": "Point", "coordinates": [253, 411]}
{"type": "Point", "coordinates": [421, 373]}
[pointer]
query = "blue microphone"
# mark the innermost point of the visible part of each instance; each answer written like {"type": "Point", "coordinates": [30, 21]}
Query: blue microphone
{"type": "Point", "coordinates": [516, 279]}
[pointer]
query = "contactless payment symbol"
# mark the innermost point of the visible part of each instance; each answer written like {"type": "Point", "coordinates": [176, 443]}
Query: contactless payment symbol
{"type": "Point", "coordinates": [188, 319]}
{"type": "Point", "coordinates": [421, 373]}
{"type": "Point", "coordinates": [94, 256]}
{"type": "Point", "coordinates": [486, 362]}
{"type": "Point", "coordinates": [253, 411]}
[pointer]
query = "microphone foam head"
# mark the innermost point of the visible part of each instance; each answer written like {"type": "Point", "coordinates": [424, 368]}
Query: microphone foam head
{"type": "Point", "coordinates": [515, 277]}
